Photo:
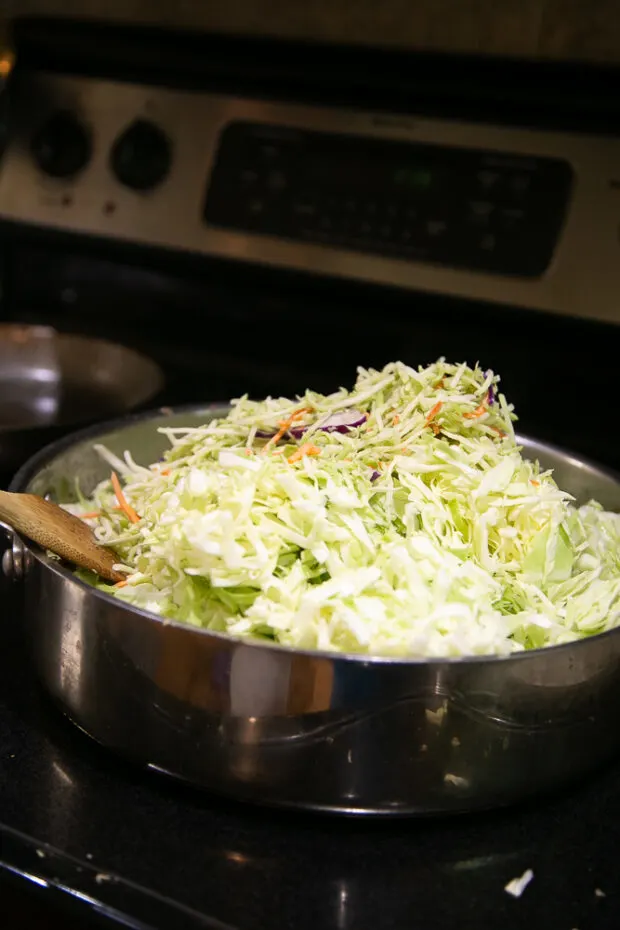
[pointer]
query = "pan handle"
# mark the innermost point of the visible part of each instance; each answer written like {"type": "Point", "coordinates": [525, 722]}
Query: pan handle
{"type": "Point", "coordinates": [14, 555]}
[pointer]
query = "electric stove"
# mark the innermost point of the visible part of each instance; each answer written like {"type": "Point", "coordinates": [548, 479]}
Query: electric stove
{"type": "Point", "coordinates": [261, 217]}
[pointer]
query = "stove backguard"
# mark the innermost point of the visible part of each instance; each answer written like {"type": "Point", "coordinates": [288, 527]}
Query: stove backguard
{"type": "Point", "coordinates": [473, 210]}
{"type": "Point", "coordinates": [265, 241]}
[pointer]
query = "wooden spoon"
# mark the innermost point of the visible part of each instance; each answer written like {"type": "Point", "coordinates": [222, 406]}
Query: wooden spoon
{"type": "Point", "coordinates": [58, 531]}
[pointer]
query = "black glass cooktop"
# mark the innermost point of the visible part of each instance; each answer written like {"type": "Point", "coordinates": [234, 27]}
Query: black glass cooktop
{"type": "Point", "coordinates": [106, 843]}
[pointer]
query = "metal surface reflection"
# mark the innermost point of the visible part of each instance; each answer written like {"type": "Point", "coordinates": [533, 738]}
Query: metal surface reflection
{"type": "Point", "coordinates": [342, 905]}
{"type": "Point", "coordinates": [184, 858]}
{"type": "Point", "coordinates": [309, 729]}
{"type": "Point", "coordinates": [63, 775]}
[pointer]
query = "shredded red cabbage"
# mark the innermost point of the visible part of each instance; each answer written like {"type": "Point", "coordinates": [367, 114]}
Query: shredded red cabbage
{"type": "Point", "coordinates": [344, 421]}
{"type": "Point", "coordinates": [491, 393]}
{"type": "Point", "coordinates": [340, 422]}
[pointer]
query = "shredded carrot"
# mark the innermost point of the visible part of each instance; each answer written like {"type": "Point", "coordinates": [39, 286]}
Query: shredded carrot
{"type": "Point", "coordinates": [285, 425]}
{"type": "Point", "coordinates": [122, 500]}
{"type": "Point", "coordinates": [165, 472]}
{"type": "Point", "coordinates": [95, 513]}
{"type": "Point", "coordinates": [306, 449]}
{"type": "Point", "coordinates": [477, 413]}
{"type": "Point", "coordinates": [535, 483]}
{"type": "Point", "coordinates": [439, 384]}
{"type": "Point", "coordinates": [499, 431]}
{"type": "Point", "coordinates": [435, 429]}
{"type": "Point", "coordinates": [433, 412]}
{"type": "Point", "coordinates": [395, 420]}
{"type": "Point", "coordinates": [121, 584]}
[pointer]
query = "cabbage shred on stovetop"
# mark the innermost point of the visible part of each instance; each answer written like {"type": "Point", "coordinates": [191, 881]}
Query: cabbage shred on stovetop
{"type": "Point", "coordinates": [399, 518]}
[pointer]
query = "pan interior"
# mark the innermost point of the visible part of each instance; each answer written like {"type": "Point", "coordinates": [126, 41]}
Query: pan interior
{"type": "Point", "coordinates": [141, 436]}
{"type": "Point", "coordinates": [48, 378]}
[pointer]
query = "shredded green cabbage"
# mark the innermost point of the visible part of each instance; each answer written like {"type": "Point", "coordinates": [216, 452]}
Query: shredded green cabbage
{"type": "Point", "coordinates": [421, 532]}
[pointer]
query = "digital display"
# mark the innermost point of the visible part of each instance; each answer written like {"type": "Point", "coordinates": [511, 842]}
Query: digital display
{"type": "Point", "coordinates": [321, 170]}
{"type": "Point", "coordinates": [361, 171]}
{"type": "Point", "coordinates": [413, 178]}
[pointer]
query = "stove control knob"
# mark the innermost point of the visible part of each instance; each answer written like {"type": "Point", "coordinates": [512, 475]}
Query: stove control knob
{"type": "Point", "coordinates": [141, 156]}
{"type": "Point", "coordinates": [62, 147]}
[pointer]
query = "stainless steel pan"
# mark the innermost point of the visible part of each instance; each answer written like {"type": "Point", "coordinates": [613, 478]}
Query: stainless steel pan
{"type": "Point", "coordinates": [51, 383]}
{"type": "Point", "coordinates": [312, 730]}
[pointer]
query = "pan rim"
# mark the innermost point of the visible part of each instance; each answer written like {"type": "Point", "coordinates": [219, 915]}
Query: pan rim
{"type": "Point", "coordinates": [46, 455]}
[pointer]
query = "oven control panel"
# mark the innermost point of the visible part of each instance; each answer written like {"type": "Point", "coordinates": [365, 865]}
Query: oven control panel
{"type": "Point", "coordinates": [458, 207]}
{"type": "Point", "coordinates": [495, 213]}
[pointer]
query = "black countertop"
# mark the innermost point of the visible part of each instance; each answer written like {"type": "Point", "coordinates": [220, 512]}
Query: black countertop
{"type": "Point", "coordinates": [104, 842]}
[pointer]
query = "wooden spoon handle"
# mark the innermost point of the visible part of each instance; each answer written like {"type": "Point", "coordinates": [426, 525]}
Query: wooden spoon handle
{"type": "Point", "coordinates": [58, 531]}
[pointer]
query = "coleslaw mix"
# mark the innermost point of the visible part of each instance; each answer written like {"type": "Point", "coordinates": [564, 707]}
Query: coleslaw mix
{"type": "Point", "coordinates": [398, 518]}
